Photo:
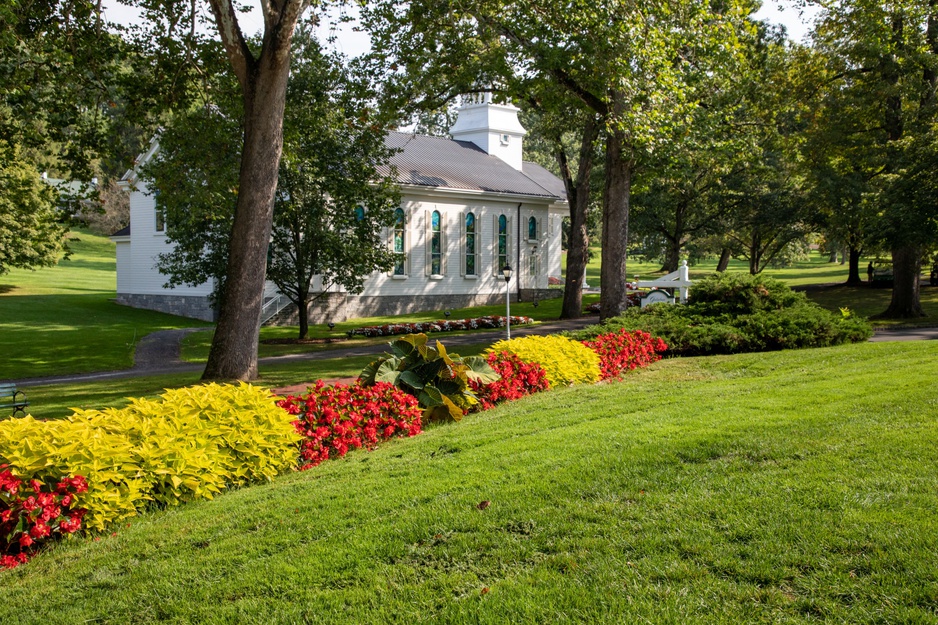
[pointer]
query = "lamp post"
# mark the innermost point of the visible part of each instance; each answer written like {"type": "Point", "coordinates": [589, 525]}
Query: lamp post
{"type": "Point", "coordinates": [506, 271]}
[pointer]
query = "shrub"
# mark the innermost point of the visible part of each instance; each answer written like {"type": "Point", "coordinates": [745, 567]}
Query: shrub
{"type": "Point", "coordinates": [622, 351]}
{"type": "Point", "coordinates": [736, 314]}
{"type": "Point", "coordinates": [191, 443]}
{"type": "Point", "coordinates": [334, 419]}
{"type": "Point", "coordinates": [33, 515]}
{"type": "Point", "coordinates": [518, 378]}
{"type": "Point", "coordinates": [438, 380]}
{"type": "Point", "coordinates": [565, 361]}
{"type": "Point", "coordinates": [741, 294]}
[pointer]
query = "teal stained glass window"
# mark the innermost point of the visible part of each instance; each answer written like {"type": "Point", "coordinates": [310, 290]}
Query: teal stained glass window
{"type": "Point", "coordinates": [399, 225]}
{"type": "Point", "coordinates": [436, 244]}
{"type": "Point", "coordinates": [470, 244]}
{"type": "Point", "coordinates": [502, 242]}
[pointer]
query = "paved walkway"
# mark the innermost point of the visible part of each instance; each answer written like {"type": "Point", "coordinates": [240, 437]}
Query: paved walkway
{"type": "Point", "coordinates": [158, 353]}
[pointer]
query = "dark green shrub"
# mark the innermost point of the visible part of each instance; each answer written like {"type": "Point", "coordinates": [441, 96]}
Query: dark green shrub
{"type": "Point", "coordinates": [741, 294]}
{"type": "Point", "coordinates": [735, 313]}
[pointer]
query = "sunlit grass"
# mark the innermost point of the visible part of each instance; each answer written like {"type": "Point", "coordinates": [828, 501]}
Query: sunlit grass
{"type": "Point", "coordinates": [785, 487]}
{"type": "Point", "coordinates": [63, 319]}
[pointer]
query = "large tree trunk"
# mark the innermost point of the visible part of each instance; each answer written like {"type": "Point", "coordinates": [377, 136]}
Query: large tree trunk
{"type": "Point", "coordinates": [724, 261]}
{"type": "Point", "coordinates": [853, 278]}
{"type": "Point", "coordinates": [906, 272]}
{"type": "Point", "coordinates": [233, 355]}
{"type": "Point", "coordinates": [303, 313]}
{"type": "Point", "coordinates": [578, 196]}
{"type": "Point", "coordinates": [615, 225]}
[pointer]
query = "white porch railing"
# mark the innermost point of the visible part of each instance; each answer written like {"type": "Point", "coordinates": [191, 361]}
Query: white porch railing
{"type": "Point", "coordinates": [274, 302]}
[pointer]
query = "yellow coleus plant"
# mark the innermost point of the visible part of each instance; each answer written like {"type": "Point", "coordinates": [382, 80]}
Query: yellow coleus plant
{"type": "Point", "coordinates": [564, 360]}
{"type": "Point", "coordinates": [190, 443]}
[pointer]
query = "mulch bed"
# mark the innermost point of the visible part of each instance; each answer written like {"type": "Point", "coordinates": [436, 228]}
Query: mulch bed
{"type": "Point", "coordinates": [298, 389]}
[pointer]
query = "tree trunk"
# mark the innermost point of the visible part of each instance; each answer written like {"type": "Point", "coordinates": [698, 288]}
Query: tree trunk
{"type": "Point", "coordinates": [615, 225]}
{"type": "Point", "coordinates": [832, 258]}
{"type": "Point", "coordinates": [302, 311]}
{"type": "Point", "coordinates": [577, 258]}
{"type": "Point", "coordinates": [578, 196]}
{"type": "Point", "coordinates": [672, 255]}
{"type": "Point", "coordinates": [906, 272]}
{"type": "Point", "coordinates": [853, 278]}
{"type": "Point", "coordinates": [724, 262]}
{"type": "Point", "coordinates": [233, 355]}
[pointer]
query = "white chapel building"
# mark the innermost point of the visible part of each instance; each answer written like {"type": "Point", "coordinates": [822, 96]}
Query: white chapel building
{"type": "Point", "coordinates": [469, 206]}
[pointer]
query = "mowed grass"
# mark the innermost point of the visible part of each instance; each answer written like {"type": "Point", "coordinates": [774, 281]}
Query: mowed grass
{"type": "Point", "coordinates": [63, 319]}
{"type": "Point", "coordinates": [785, 487]}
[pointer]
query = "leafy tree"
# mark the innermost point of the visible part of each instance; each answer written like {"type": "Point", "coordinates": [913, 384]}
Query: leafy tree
{"type": "Point", "coordinates": [566, 139]}
{"type": "Point", "coordinates": [883, 61]}
{"type": "Point", "coordinates": [332, 201]}
{"type": "Point", "coordinates": [31, 234]}
{"type": "Point", "coordinates": [627, 62]}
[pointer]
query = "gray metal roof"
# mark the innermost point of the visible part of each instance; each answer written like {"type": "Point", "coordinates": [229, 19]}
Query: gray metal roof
{"type": "Point", "coordinates": [444, 163]}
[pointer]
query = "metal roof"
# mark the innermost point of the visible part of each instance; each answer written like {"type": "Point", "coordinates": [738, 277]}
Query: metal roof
{"type": "Point", "coordinates": [440, 162]}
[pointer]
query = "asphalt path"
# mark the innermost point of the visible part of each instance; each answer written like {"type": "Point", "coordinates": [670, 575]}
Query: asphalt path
{"type": "Point", "coordinates": [158, 353]}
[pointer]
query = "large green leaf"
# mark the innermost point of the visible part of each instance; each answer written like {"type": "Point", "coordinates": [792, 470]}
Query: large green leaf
{"type": "Point", "coordinates": [367, 376]}
{"type": "Point", "coordinates": [411, 379]}
{"type": "Point", "coordinates": [430, 396]}
{"type": "Point", "coordinates": [388, 370]}
{"type": "Point", "coordinates": [479, 370]}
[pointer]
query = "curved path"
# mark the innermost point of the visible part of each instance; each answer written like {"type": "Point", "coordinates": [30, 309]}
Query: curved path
{"type": "Point", "coordinates": [158, 352]}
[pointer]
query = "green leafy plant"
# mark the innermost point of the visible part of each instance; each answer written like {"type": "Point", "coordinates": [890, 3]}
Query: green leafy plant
{"type": "Point", "coordinates": [439, 380]}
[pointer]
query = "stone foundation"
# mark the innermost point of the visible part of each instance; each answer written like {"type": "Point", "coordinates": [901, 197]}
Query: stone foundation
{"type": "Point", "coordinates": [183, 306]}
{"type": "Point", "coordinates": [337, 307]}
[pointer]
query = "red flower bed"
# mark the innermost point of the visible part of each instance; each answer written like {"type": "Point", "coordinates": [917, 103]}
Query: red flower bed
{"type": "Point", "coordinates": [518, 379]}
{"type": "Point", "coordinates": [35, 513]}
{"type": "Point", "coordinates": [392, 329]}
{"type": "Point", "coordinates": [623, 351]}
{"type": "Point", "coordinates": [334, 419]}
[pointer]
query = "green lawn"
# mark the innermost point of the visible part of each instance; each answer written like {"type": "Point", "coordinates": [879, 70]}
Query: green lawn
{"type": "Point", "coordinates": [786, 487]}
{"type": "Point", "coordinates": [63, 319]}
{"type": "Point", "coordinates": [196, 346]}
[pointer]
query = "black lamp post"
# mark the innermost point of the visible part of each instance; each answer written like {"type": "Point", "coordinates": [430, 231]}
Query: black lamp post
{"type": "Point", "coordinates": [506, 271]}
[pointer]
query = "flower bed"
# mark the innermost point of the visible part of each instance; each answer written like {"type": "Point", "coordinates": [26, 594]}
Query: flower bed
{"type": "Point", "coordinates": [477, 323]}
{"type": "Point", "coordinates": [623, 351]}
{"type": "Point", "coordinates": [334, 419]}
{"type": "Point", "coordinates": [518, 378]}
{"type": "Point", "coordinates": [33, 513]}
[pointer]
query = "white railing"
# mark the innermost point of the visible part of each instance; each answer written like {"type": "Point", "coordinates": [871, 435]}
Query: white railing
{"type": "Point", "coordinates": [679, 280]}
{"type": "Point", "coordinates": [274, 302]}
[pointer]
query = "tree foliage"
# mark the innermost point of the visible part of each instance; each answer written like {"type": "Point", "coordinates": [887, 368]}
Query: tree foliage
{"type": "Point", "coordinates": [333, 149]}
{"type": "Point", "coordinates": [31, 235]}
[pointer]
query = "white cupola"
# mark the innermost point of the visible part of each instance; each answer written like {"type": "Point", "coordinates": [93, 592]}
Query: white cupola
{"type": "Point", "coordinates": [492, 127]}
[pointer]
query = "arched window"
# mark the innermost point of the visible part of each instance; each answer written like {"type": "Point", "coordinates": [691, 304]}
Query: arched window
{"type": "Point", "coordinates": [470, 242]}
{"type": "Point", "coordinates": [399, 243]}
{"type": "Point", "coordinates": [436, 244]}
{"type": "Point", "coordinates": [360, 213]}
{"type": "Point", "coordinates": [532, 229]}
{"type": "Point", "coordinates": [502, 243]}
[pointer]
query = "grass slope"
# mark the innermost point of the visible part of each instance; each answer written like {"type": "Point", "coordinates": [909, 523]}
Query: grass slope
{"type": "Point", "coordinates": [784, 487]}
{"type": "Point", "coordinates": [63, 319]}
